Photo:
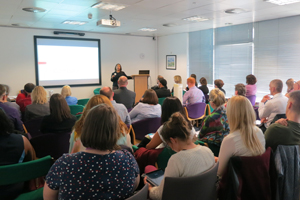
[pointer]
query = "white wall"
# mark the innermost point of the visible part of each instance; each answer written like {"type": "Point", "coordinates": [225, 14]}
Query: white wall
{"type": "Point", "coordinates": [18, 68]}
{"type": "Point", "coordinates": [176, 44]}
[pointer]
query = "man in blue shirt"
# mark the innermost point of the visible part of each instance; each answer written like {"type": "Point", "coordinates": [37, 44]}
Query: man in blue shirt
{"type": "Point", "coordinates": [194, 95]}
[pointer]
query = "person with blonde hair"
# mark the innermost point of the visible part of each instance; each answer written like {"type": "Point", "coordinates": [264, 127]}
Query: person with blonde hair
{"type": "Point", "coordinates": [177, 80]}
{"type": "Point", "coordinates": [40, 105]}
{"type": "Point", "coordinates": [245, 138]}
{"type": "Point", "coordinates": [75, 143]}
{"type": "Point", "coordinates": [193, 95]}
{"type": "Point", "coordinates": [66, 93]}
{"type": "Point", "coordinates": [215, 126]}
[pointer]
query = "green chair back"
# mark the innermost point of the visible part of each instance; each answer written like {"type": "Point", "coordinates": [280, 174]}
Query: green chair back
{"type": "Point", "coordinates": [82, 102]}
{"type": "Point", "coordinates": [161, 100]}
{"type": "Point", "coordinates": [76, 109]}
{"type": "Point", "coordinates": [26, 171]}
{"type": "Point", "coordinates": [183, 92]}
{"type": "Point", "coordinates": [163, 157]}
{"type": "Point", "coordinates": [97, 91]}
{"type": "Point", "coordinates": [211, 109]}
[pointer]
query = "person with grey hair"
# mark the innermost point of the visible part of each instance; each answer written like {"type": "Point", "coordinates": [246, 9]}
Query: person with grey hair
{"type": "Point", "coordinates": [120, 108]}
{"type": "Point", "coordinates": [240, 89]}
{"type": "Point", "coordinates": [286, 131]}
{"type": "Point", "coordinates": [123, 95]}
{"type": "Point", "coordinates": [8, 102]}
{"type": "Point", "coordinates": [269, 108]}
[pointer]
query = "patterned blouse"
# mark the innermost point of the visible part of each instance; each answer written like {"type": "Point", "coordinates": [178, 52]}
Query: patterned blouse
{"type": "Point", "coordinates": [91, 176]}
{"type": "Point", "coordinates": [215, 127]}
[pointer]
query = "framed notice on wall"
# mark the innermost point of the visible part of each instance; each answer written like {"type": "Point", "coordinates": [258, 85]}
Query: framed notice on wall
{"type": "Point", "coordinates": [171, 62]}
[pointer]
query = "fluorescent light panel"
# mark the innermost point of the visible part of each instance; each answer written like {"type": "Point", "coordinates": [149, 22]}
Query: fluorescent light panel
{"type": "Point", "coordinates": [282, 2]}
{"type": "Point", "coordinates": [74, 22]}
{"type": "Point", "coordinates": [195, 19]}
{"type": "Point", "coordinates": [108, 6]}
{"type": "Point", "coordinates": [148, 29]}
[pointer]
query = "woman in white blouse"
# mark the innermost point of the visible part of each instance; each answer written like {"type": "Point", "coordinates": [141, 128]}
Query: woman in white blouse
{"type": "Point", "coordinates": [244, 139]}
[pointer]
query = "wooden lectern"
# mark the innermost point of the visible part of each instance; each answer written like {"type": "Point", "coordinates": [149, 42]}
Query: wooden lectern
{"type": "Point", "coordinates": [140, 85]}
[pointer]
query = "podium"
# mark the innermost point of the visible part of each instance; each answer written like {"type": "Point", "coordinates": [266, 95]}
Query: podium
{"type": "Point", "coordinates": [140, 85]}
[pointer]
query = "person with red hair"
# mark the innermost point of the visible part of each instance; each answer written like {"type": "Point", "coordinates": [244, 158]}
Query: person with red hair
{"type": "Point", "coordinates": [194, 95]}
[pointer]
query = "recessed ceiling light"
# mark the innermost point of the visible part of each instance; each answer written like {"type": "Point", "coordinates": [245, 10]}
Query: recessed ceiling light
{"type": "Point", "coordinates": [195, 19]}
{"type": "Point", "coordinates": [235, 11]}
{"type": "Point", "coordinates": [74, 22]}
{"type": "Point", "coordinates": [108, 6]}
{"type": "Point", "coordinates": [148, 29]}
{"type": "Point", "coordinates": [282, 2]}
{"type": "Point", "coordinates": [34, 9]}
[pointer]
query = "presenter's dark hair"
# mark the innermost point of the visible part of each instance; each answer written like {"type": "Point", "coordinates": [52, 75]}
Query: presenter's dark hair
{"type": "Point", "coordinates": [150, 97]}
{"type": "Point", "coordinates": [120, 67]}
{"type": "Point", "coordinates": [59, 109]}
{"type": "Point", "coordinates": [6, 126]}
{"type": "Point", "coordinates": [170, 106]}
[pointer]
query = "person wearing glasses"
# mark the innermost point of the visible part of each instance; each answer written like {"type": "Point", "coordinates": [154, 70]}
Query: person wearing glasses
{"type": "Point", "coordinates": [215, 126]}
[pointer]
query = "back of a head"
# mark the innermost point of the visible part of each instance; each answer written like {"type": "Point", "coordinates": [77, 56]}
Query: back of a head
{"type": "Point", "coordinates": [159, 76]}
{"type": "Point", "coordinates": [106, 91]}
{"type": "Point", "coordinates": [39, 95]}
{"type": "Point", "coordinates": [7, 90]}
{"type": "Point", "coordinates": [150, 97]}
{"type": "Point", "coordinates": [178, 79]}
{"type": "Point", "coordinates": [100, 129]}
{"type": "Point", "coordinates": [176, 127]}
{"type": "Point", "coordinates": [163, 81]}
{"type": "Point", "coordinates": [290, 84]}
{"type": "Point", "coordinates": [241, 89]}
{"type": "Point", "coordinates": [219, 83]}
{"type": "Point", "coordinates": [278, 84]}
{"type": "Point", "coordinates": [295, 99]}
{"type": "Point", "coordinates": [2, 90]}
{"type": "Point", "coordinates": [29, 87]}
{"type": "Point", "coordinates": [59, 109]}
{"type": "Point", "coordinates": [6, 125]}
{"type": "Point", "coordinates": [170, 106]}
{"type": "Point", "coordinates": [194, 76]}
{"type": "Point", "coordinates": [217, 97]}
{"type": "Point", "coordinates": [203, 81]}
{"type": "Point", "coordinates": [191, 80]}
{"type": "Point", "coordinates": [241, 117]}
{"type": "Point", "coordinates": [123, 81]}
{"type": "Point", "coordinates": [250, 79]}
{"type": "Point", "coordinates": [66, 91]}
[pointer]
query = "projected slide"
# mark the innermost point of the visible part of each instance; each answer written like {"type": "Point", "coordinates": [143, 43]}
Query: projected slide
{"type": "Point", "coordinates": [65, 61]}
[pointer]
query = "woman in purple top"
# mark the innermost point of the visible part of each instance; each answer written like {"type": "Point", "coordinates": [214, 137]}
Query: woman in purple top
{"type": "Point", "coordinates": [250, 87]}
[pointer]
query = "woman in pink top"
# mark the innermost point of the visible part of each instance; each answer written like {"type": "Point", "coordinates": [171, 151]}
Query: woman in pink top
{"type": "Point", "coordinates": [250, 87]}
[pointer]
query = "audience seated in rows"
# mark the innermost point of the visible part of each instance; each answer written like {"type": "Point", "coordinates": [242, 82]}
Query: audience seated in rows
{"type": "Point", "coordinates": [9, 103]}
{"type": "Point", "coordinates": [12, 113]}
{"type": "Point", "coordinates": [219, 84]}
{"type": "Point", "coordinates": [102, 171]}
{"type": "Point", "coordinates": [120, 108]}
{"type": "Point", "coordinates": [66, 93]}
{"type": "Point", "coordinates": [123, 95]}
{"type": "Point", "coordinates": [286, 131]}
{"type": "Point", "coordinates": [194, 95]}
{"type": "Point", "coordinates": [39, 106]}
{"type": "Point", "coordinates": [269, 108]}
{"type": "Point", "coordinates": [147, 108]}
{"type": "Point", "coordinates": [251, 85]}
{"type": "Point", "coordinates": [14, 148]}
{"type": "Point", "coordinates": [123, 139]}
{"type": "Point", "coordinates": [157, 83]}
{"type": "Point", "coordinates": [245, 139]}
{"type": "Point", "coordinates": [24, 97]}
{"type": "Point", "coordinates": [215, 126]}
{"type": "Point", "coordinates": [240, 89]}
{"type": "Point", "coordinates": [60, 119]}
{"type": "Point", "coordinates": [190, 159]}
{"type": "Point", "coordinates": [203, 86]}
{"type": "Point", "coordinates": [290, 86]}
{"type": "Point", "coordinates": [162, 90]}
{"type": "Point", "coordinates": [170, 106]}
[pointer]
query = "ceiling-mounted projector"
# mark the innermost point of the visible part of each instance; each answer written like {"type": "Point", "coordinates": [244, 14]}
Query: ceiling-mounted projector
{"type": "Point", "coordinates": [111, 22]}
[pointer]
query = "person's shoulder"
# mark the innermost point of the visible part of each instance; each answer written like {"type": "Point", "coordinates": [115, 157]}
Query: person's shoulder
{"type": "Point", "coordinates": [276, 129]}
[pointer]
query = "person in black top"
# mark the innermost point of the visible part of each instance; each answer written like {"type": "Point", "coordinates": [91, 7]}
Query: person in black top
{"type": "Point", "coordinates": [162, 90]}
{"type": "Point", "coordinates": [116, 75]}
{"type": "Point", "coordinates": [219, 84]}
{"type": "Point", "coordinates": [60, 119]}
{"type": "Point", "coordinates": [203, 86]}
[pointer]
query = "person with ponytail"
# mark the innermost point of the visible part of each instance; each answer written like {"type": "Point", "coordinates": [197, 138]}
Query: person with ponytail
{"type": "Point", "coordinates": [245, 138]}
{"type": "Point", "coordinates": [190, 159]}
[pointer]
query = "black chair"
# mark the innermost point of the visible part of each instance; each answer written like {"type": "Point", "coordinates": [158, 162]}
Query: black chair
{"type": "Point", "coordinates": [277, 117]}
{"type": "Point", "coordinates": [140, 195]}
{"type": "Point", "coordinates": [33, 126]}
{"type": "Point", "coordinates": [202, 186]}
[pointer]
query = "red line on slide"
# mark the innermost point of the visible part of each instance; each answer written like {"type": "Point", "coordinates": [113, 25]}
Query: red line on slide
{"type": "Point", "coordinates": [42, 63]}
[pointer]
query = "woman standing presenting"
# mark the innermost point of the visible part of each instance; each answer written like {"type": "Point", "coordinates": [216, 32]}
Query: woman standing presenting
{"type": "Point", "coordinates": [116, 75]}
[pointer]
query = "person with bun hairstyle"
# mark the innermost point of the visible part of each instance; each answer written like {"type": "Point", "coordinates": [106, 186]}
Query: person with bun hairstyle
{"type": "Point", "coordinates": [190, 159]}
{"type": "Point", "coordinates": [219, 84]}
{"type": "Point", "coordinates": [116, 75]}
{"type": "Point", "coordinates": [251, 85]}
